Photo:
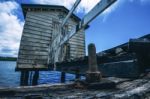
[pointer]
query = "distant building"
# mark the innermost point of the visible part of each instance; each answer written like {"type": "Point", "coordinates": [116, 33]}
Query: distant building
{"type": "Point", "coordinates": [42, 25]}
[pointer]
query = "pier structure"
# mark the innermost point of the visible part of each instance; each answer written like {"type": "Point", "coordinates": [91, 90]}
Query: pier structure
{"type": "Point", "coordinates": [42, 25]}
{"type": "Point", "coordinates": [130, 62]}
{"type": "Point", "coordinates": [53, 34]}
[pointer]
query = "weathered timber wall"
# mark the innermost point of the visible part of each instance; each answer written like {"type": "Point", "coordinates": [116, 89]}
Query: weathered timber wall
{"type": "Point", "coordinates": [35, 42]}
{"type": "Point", "coordinates": [40, 29]}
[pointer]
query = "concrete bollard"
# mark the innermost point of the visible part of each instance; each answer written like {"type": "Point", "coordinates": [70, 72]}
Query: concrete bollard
{"type": "Point", "coordinates": [92, 75]}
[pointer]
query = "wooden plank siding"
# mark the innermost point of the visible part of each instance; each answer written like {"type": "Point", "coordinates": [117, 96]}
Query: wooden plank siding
{"type": "Point", "coordinates": [36, 49]}
{"type": "Point", "coordinates": [33, 57]}
{"type": "Point", "coordinates": [77, 48]}
{"type": "Point", "coordinates": [35, 42]}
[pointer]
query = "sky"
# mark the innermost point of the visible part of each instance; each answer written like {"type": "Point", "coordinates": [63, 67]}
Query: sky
{"type": "Point", "coordinates": [116, 25]}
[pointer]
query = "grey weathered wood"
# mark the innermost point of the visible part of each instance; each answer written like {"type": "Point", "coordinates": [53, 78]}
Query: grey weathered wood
{"type": "Point", "coordinates": [23, 61]}
{"type": "Point", "coordinates": [39, 18]}
{"type": "Point", "coordinates": [28, 23]}
{"type": "Point", "coordinates": [73, 53]}
{"type": "Point", "coordinates": [36, 36]}
{"type": "Point", "coordinates": [79, 50]}
{"type": "Point", "coordinates": [35, 40]}
{"type": "Point", "coordinates": [31, 66]}
{"type": "Point", "coordinates": [46, 15]}
{"type": "Point", "coordinates": [99, 8]}
{"type": "Point", "coordinates": [34, 49]}
{"type": "Point", "coordinates": [74, 56]}
{"type": "Point", "coordinates": [34, 17]}
{"type": "Point", "coordinates": [78, 38]}
{"type": "Point", "coordinates": [37, 57]}
{"type": "Point", "coordinates": [34, 44]}
{"type": "Point", "coordinates": [39, 31]}
{"type": "Point", "coordinates": [76, 43]}
{"type": "Point", "coordinates": [30, 47]}
{"type": "Point", "coordinates": [32, 52]}
{"type": "Point", "coordinates": [77, 46]}
{"type": "Point", "coordinates": [34, 29]}
{"type": "Point", "coordinates": [39, 22]}
{"type": "Point", "coordinates": [70, 12]}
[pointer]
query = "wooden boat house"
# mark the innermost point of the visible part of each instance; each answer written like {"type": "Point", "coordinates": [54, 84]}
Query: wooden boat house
{"type": "Point", "coordinates": [42, 26]}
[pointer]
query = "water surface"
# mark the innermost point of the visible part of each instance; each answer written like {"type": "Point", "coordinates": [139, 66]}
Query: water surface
{"type": "Point", "coordinates": [10, 78]}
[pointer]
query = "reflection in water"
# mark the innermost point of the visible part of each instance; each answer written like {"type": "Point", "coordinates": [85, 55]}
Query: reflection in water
{"type": "Point", "coordinates": [10, 78]}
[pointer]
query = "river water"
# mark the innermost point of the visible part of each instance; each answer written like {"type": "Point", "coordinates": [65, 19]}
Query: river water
{"type": "Point", "coordinates": [10, 78]}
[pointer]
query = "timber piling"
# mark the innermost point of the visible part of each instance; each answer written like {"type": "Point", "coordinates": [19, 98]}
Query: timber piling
{"type": "Point", "coordinates": [26, 78]}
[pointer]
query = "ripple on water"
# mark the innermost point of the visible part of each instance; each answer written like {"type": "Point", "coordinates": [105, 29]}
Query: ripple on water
{"type": "Point", "coordinates": [10, 78]}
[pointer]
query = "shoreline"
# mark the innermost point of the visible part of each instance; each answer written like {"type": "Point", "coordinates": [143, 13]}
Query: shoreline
{"type": "Point", "coordinates": [8, 58]}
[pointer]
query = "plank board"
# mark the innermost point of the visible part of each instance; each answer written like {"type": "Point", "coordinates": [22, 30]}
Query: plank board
{"type": "Point", "coordinates": [35, 43]}
{"type": "Point", "coordinates": [30, 31]}
{"type": "Point", "coordinates": [34, 40]}
{"type": "Point", "coordinates": [38, 57]}
{"type": "Point", "coordinates": [37, 36]}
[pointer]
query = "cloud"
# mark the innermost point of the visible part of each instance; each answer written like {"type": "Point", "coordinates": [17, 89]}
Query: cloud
{"type": "Point", "coordinates": [66, 3]}
{"type": "Point", "coordinates": [86, 5]}
{"type": "Point", "coordinates": [11, 26]}
{"type": "Point", "coordinates": [83, 7]}
{"type": "Point", "coordinates": [10, 29]}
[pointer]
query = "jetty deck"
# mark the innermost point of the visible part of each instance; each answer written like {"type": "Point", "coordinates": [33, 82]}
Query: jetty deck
{"type": "Point", "coordinates": [128, 60]}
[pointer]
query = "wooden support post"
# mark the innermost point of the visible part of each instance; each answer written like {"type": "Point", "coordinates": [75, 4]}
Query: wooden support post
{"type": "Point", "coordinates": [93, 75]}
{"type": "Point", "coordinates": [35, 78]}
{"type": "Point", "coordinates": [63, 77]}
{"type": "Point", "coordinates": [30, 76]}
{"type": "Point", "coordinates": [77, 75]}
{"type": "Point", "coordinates": [24, 78]}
